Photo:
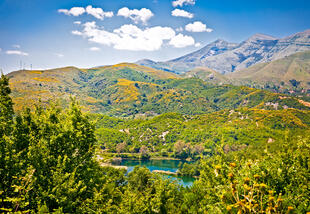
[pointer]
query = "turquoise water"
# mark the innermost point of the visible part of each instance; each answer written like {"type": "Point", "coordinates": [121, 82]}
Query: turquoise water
{"type": "Point", "coordinates": [165, 165]}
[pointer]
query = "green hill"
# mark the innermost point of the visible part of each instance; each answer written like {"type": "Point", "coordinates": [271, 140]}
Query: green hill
{"type": "Point", "coordinates": [133, 90]}
{"type": "Point", "coordinates": [93, 87]}
{"type": "Point", "coordinates": [233, 128]}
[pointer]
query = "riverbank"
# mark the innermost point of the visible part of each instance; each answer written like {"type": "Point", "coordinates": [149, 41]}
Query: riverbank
{"type": "Point", "coordinates": [165, 167]}
{"type": "Point", "coordinates": [113, 166]}
{"type": "Point", "coordinates": [165, 172]}
{"type": "Point", "coordinates": [137, 156]}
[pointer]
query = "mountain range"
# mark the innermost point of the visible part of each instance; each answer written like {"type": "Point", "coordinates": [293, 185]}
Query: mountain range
{"type": "Point", "coordinates": [225, 57]}
{"type": "Point", "coordinates": [285, 74]}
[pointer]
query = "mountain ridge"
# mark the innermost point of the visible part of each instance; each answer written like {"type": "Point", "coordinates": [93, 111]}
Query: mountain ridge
{"type": "Point", "coordinates": [225, 57]}
{"type": "Point", "coordinates": [278, 72]}
{"type": "Point", "coordinates": [288, 74]}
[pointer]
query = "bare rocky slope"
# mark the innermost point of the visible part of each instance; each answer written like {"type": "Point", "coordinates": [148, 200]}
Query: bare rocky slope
{"type": "Point", "coordinates": [225, 57]}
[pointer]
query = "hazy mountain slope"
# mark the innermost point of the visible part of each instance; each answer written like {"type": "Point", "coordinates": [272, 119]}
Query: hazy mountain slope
{"type": "Point", "coordinates": [206, 74]}
{"type": "Point", "coordinates": [192, 60]}
{"type": "Point", "coordinates": [294, 67]}
{"type": "Point", "coordinates": [225, 57]}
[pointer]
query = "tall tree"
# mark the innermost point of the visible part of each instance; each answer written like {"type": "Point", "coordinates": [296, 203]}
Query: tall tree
{"type": "Point", "coordinates": [61, 157]}
{"type": "Point", "coordinates": [6, 126]}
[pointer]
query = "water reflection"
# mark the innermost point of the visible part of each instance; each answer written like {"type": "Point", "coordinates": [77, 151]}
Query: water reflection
{"type": "Point", "coordinates": [165, 165]}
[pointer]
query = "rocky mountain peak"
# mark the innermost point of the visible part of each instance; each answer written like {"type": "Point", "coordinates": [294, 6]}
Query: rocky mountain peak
{"type": "Point", "coordinates": [259, 36]}
{"type": "Point", "coordinates": [226, 57]}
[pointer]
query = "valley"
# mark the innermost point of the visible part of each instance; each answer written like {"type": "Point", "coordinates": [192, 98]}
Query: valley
{"type": "Point", "coordinates": [222, 130]}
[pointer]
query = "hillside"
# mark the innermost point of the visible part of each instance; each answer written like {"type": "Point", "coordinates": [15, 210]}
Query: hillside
{"type": "Point", "coordinates": [234, 128]}
{"type": "Point", "coordinates": [207, 74]}
{"type": "Point", "coordinates": [225, 57]}
{"type": "Point", "coordinates": [133, 90]}
{"type": "Point", "coordinates": [94, 88]}
{"type": "Point", "coordinates": [280, 73]}
{"type": "Point", "coordinates": [59, 156]}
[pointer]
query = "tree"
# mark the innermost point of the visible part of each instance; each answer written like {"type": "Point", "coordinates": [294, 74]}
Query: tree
{"type": "Point", "coordinates": [61, 146]}
{"type": "Point", "coordinates": [6, 150]}
{"type": "Point", "coordinates": [144, 151]}
{"type": "Point", "coordinates": [121, 147]}
{"type": "Point", "coordinates": [46, 157]}
{"type": "Point", "coordinates": [294, 82]}
{"type": "Point", "coordinates": [139, 179]}
{"type": "Point", "coordinates": [181, 150]}
{"type": "Point", "coordinates": [6, 107]}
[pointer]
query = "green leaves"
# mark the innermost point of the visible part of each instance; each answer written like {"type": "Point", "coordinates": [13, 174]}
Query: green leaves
{"type": "Point", "coordinates": [45, 157]}
{"type": "Point", "coordinates": [48, 162]}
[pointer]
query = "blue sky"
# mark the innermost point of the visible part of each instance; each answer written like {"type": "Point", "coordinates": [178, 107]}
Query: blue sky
{"type": "Point", "coordinates": [49, 33]}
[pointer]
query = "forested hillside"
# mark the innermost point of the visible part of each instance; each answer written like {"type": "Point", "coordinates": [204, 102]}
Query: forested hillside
{"type": "Point", "coordinates": [251, 161]}
{"type": "Point", "coordinates": [183, 136]}
{"type": "Point", "coordinates": [133, 90]}
{"type": "Point", "coordinates": [196, 116]}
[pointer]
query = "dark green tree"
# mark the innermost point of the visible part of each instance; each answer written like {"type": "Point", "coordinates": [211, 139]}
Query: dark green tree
{"type": "Point", "coordinates": [6, 153]}
{"type": "Point", "coordinates": [61, 157]}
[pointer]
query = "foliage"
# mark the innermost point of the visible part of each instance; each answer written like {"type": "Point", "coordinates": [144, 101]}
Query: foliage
{"type": "Point", "coordinates": [182, 136]}
{"type": "Point", "coordinates": [129, 90]}
{"type": "Point", "coordinates": [251, 160]}
{"type": "Point", "coordinates": [272, 182]}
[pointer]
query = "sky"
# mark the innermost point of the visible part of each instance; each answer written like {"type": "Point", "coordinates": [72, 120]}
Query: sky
{"type": "Point", "coordinates": [43, 34]}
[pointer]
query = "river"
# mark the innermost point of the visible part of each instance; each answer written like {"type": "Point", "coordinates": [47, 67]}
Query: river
{"type": "Point", "coordinates": [164, 165]}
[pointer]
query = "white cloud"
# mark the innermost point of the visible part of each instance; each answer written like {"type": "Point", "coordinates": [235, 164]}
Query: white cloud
{"type": "Point", "coordinates": [129, 37]}
{"type": "Point", "coordinates": [197, 45]}
{"type": "Point", "coordinates": [77, 22]}
{"type": "Point", "coordinates": [181, 2]}
{"type": "Point", "coordinates": [94, 49]}
{"type": "Point", "coordinates": [197, 27]}
{"type": "Point", "coordinates": [181, 41]}
{"type": "Point", "coordinates": [16, 46]}
{"type": "Point", "coordinates": [95, 12]}
{"type": "Point", "coordinates": [182, 13]}
{"type": "Point", "coordinates": [179, 29]}
{"type": "Point", "coordinates": [74, 11]}
{"type": "Point", "coordinates": [59, 55]}
{"type": "Point", "coordinates": [16, 52]}
{"type": "Point", "coordinates": [98, 12]}
{"type": "Point", "coordinates": [76, 32]}
{"type": "Point", "coordinates": [142, 15]}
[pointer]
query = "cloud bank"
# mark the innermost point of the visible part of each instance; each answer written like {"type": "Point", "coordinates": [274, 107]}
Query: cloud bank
{"type": "Point", "coordinates": [16, 52]}
{"type": "Point", "coordinates": [182, 13]}
{"type": "Point", "coordinates": [130, 37]}
{"type": "Point", "coordinates": [59, 55]}
{"type": "Point", "coordinates": [142, 15]}
{"type": "Point", "coordinates": [74, 11]}
{"type": "Point", "coordinates": [95, 12]}
{"type": "Point", "coordinates": [181, 41]}
{"type": "Point", "coordinates": [180, 3]}
{"type": "Point", "coordinates": [197, 27]}
{"type": "Point", "coordinates": [98, 12]}
{"type": "Point", "coordinates": [94, 49]}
